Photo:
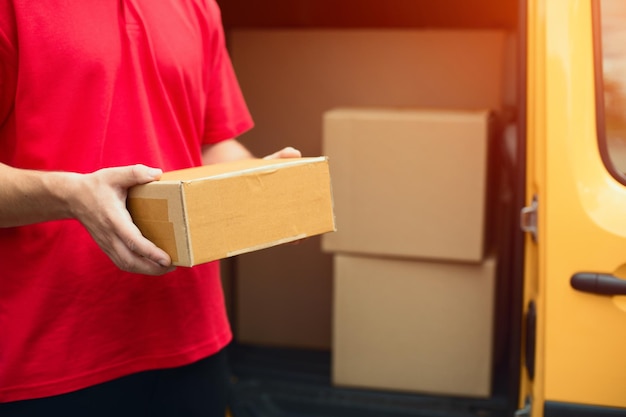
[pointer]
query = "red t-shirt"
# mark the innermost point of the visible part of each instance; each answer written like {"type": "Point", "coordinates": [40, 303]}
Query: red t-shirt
{"type": "Point", "coordinates": [86, 85]}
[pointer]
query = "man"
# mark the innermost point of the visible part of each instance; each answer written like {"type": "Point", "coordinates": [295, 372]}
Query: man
{"type": "Point", "coordinates": [96, 97]}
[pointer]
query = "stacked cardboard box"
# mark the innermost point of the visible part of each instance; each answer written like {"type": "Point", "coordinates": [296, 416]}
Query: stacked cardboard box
{"type": "Point", "coordinates": [411, 325]}
{"type": "Point", "coordinates": [408, 183]}
{"type": "Point", "coordinates": [413, 300]}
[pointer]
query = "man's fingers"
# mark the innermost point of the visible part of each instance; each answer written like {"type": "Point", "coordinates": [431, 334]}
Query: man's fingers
{"type": "Point", "coordinates": [129, 176]}
{"type": "Point", "coordinates": [141, 257]}
{"type": "Point", "coordinates": [132, 252]}
{"type": "Point", "coordinates": [139, 245]}
{"type": "Point", "coordinates": [148, 250]}
{"type": "Point", "coordinates": [287, 152]}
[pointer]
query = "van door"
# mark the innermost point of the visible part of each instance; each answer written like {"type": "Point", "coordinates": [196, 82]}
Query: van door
{"type": "Point", "coordinates": [576, 264]}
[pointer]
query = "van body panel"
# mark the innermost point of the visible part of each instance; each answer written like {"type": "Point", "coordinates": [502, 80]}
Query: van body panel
{"type": "Point", "coordinates": [581, 218]}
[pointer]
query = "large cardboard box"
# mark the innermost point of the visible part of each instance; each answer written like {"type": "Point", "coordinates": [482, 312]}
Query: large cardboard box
{"type": "Point", "coordinates": [413, 326]}
{"type": "Point", "coordinates": [409, 182]}
{"type": "Point", "coordinates": [212, 212]}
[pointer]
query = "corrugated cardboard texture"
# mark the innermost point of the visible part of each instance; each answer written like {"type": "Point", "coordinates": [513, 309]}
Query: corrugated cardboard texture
{"type": "Point", "coordinates": [413, 326]}
{"type": "Point", "coordinates": [232, 208]}
{"type": "Point", "coordinates": [409, 183]}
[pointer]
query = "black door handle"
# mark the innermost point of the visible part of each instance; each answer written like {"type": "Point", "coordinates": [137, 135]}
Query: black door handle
{"type": "Point", "coordinates": [603, 284]}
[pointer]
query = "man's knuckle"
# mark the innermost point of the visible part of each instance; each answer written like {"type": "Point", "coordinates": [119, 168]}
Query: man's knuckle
{"type": "Point", "coordinates": [131, 245]}
{"type": "Point", "coordinates": [126, 264]}
{"type": "Point", "coordinates": [137, 171]}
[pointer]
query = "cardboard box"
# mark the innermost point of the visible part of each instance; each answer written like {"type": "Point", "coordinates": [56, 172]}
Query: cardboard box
{"type": "Point", "coordinates": [413, 326]}
{"type": "Point", "coordinates": [212, 212]}
{"type": "Point", "coordinates": [409, 182]}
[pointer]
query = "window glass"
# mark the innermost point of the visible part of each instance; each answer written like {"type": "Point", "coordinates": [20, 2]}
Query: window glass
{"type": "Point", "coordinates": [612, 32]}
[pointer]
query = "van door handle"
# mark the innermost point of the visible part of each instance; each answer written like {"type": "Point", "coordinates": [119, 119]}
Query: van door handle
{"type": "Point", "coordinates": [595, 283]}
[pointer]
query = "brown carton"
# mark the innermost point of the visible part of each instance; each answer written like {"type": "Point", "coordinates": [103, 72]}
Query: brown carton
{"type": "Point", "coordinates": [409, 182]}
{"type": "Point", "coordinates": [413, 326]}
{"type": "Point", "coordinates": [212, 212]}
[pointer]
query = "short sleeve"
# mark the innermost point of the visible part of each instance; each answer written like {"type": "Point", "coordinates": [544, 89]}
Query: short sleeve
{"type": "Point", "coordinates": [227, 114]}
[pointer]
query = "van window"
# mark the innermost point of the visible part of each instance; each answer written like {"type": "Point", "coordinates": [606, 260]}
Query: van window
{"type": "Point", "coordinates": [610, 57]}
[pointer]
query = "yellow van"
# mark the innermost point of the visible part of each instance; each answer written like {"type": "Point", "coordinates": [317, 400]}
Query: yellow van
{"type": "Point", "coordinates": [558, 182]}
{"type": "Point", "coordinates": [575, 198]}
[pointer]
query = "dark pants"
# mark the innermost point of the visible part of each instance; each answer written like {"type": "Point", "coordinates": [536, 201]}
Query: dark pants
{"type": "Point", "coordinates": [199, 389]}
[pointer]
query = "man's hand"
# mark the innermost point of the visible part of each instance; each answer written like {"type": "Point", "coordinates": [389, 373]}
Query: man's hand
{"type": "Point", "coordinates": [233, 150]}
{"type": "Point", "coordinates": [98, 201]}
{"type": "Point", "coordinates": [287, 152]}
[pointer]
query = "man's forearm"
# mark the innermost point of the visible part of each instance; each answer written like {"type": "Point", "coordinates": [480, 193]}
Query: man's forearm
{"type": "Point", "coordinates": [232, 150]}
{"type": "Point", "coordinates": [227, 150]}
{"type": "Point", "coordinates": [28, 197]}
{"type": "Point", "coordinates": [97, 200]}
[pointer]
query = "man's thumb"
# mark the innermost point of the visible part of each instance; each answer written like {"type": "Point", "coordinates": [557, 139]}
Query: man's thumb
{"type": "Point", "coordinates": [136, 174]}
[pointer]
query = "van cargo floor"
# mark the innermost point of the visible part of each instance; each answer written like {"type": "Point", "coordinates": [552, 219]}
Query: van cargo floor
{"type": "Point", "coordinates": [273, 382]}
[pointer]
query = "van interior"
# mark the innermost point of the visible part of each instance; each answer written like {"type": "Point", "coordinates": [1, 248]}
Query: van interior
{"type": "Point", "coordinates": [413, 307]}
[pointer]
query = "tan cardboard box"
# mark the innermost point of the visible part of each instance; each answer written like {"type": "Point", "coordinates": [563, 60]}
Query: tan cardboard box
{"type": "Point", "coordinates": [408, 182]}
{"type": "Point", "coordinates": [413, 326]}
{"type": "Point", "coordinates": [206, 213]}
